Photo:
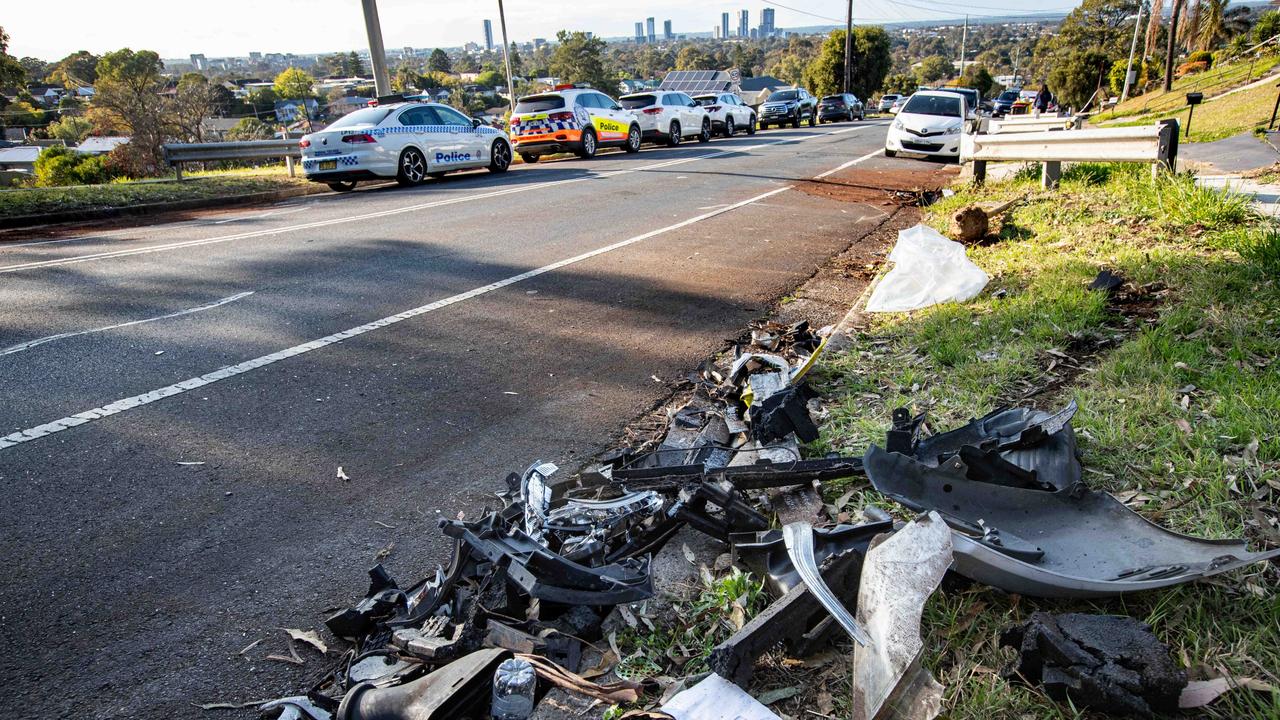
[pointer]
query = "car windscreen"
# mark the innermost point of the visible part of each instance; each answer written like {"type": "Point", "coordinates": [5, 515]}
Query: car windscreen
{"type": "Point", "coordinates": [933, 105]}
{"type": "Point", "coordinates": [707, 100]}
{"type": "Point", "coordinates": [633, 102]}
{"type": "Point", "coordinates": [782, 96]}
{"type": "Point", "coordinates": [539, 103]}
{"type": "Point", "coordinates": [890, 98]}
{"type": "Point", "coordinates": [1009, 96]}
{"type": "Point", "coordinates": [833, 98]}
{"type": "Point", "coordinates": [363, 116]}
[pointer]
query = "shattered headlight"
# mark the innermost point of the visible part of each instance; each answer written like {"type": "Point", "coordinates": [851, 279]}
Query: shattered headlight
{"type": "Point", "coordinates": [953, 130]}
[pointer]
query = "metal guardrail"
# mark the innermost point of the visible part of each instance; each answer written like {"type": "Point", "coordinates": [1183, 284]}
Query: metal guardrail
{"type": "Point", "coordinates": [179, 154]}
{"type": "Point", "coordinates": [1028, 123]}
{"type": "Point", "coordinates": [1156, 144]}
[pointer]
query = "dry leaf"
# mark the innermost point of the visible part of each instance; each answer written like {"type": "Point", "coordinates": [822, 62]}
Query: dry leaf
{"type": "Point", "coordinates": [309, 637]}
{"type": "Point", "coordinates": [737, 616]}
{"type": "Point", "coordinates": [688, 554]}
{"type": "Point", "coordinates": [1183, 425]}
{"type": "Point", "coordinates": [1199, 693]}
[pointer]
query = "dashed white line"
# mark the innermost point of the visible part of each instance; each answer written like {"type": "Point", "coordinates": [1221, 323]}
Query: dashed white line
{"type": "Point", "coordinates": [129, 403]}
{"type": "Point", "coordinates": [62, 336]}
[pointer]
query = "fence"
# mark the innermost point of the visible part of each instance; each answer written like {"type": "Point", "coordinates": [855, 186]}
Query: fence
{"type": "Point", "coordinates": [179, 154]}
{"type": "Point", "coordinates": [1156, 144]}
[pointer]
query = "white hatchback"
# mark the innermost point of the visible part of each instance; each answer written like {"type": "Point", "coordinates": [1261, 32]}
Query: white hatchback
{"type": "Point", "coordinates": [929, 123]}
{"type": "Point", "coordinates": [668, 116]}
{"type": "Point", "coordinates": [408, 142]}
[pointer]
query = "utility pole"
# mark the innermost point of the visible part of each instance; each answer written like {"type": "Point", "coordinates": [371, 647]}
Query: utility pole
{"type": "Point", "coordinates": [964, 38]}
{"type": "Point", "coordinates": [848, 47]}
{"type": "Point", "coordinates": [1133, 47]}
{"type": "Point", "coordinates": [1017, 53]}
{"type": "Point", "coordinates": [1173, 42]}
{"type": "Point", "coordinates": [377, 54]}
{"type": "Point", "coordinates": [506, 56]}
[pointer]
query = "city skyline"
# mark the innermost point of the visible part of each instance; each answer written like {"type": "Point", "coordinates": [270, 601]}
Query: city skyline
{"type": "Point", "coordinates": [336, 25]}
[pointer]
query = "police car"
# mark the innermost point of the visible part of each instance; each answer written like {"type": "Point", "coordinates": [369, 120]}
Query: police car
{"type": "Point", "coordinates": [571, 119]}
{"type": "Point", "coordinates": [408, 141]}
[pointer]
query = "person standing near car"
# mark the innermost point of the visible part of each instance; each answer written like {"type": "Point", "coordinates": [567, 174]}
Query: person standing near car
{"type": "Point", "coordinates": [1043, 98]}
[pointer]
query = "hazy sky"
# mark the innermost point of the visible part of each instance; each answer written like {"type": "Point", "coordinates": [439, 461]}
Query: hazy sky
{"type": "Point", "coordinates": [236, 27]}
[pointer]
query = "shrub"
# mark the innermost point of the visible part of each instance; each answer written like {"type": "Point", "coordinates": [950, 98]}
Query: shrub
{"type": "Point", "coordinates": [64, 166]}
{"type": "Point", "coordinates": [1191, 68]}
{"type": "Point", "coordinates": [1203, 56]}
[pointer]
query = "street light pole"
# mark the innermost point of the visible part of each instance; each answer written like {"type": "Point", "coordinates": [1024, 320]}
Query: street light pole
{"type": "Point", "coordinates": [848, 47]}
{"type": "Point", "coordinates": [377, 54]}
{"type": "Point", "coordinates": [1173, 43]}
{"type": "Point", "coordinates": [1133, 47]}
{"type": "Point", "coordinates": [506, 57]}
{"type": "Point", "coordinates": [964, 38]}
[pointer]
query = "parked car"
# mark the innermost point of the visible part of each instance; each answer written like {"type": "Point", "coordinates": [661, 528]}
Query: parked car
{"type": "Point", "coordinates": [844, 106]}
{"type": "Point", "coordinates": [571, 119]}
{"type": "Point", "coordinates": [407, 141]}
{"type": "Point", "coordinates": [972, 99]}
{"type": "Point", "coordinates": [789, 106]}
{"type": "Point", "coordinates": [930, 123]}
{"type": "Point", "coordinates": [728, 113]}
{"type": "Point", "coordinates": [667, 116]}
{"type": "Point", "coordinates": [896, 107]}
{"type": "Point", "coordinates": [1003, 104]}
{"type": "Point", "coordinates": [887, 101]}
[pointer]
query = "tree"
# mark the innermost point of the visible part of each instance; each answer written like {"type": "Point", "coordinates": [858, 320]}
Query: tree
{"type": "Point", "coordinates": [789, 68]}
{"type": "Point", "coordinates": [194, 101]}
{"type": "Point", "coordinates": [1079, 74]}
{"type": "Point", "coordinates": [580, 59]}
{"type": "Point", "coordinates": [64, 166]}
{"type": "Point", "coordinates": [128, 96]}
{"type": "Point", "coordinates": [250, 129]}
{"type": "Point", "coordinates": [12, 73]}
{"type": "Point", "coordinates": [406, 80]}
{"type": "Point", "coordinates": [70, 129]}
{"type": "Point", "coordinates": [79, 69]}
{"type": "Point", "coordinates": [490, 79]}
{"type": "Point", "coordinates": [1267, 27]}
{"type": "Point", "coordinates": [352, 65]}
{"type": "Point", "coordinates": [294, 84]}
{"type": "Point", "coordinates": [1213, 25]}
{"type": "Point", "coordinates": [439, 61]}
{"type": "Point", "coordinates": [977, 76]}
{"type": "Point", "coordinates": [933, 69]}
{"type": "Point", "coordinates": [517, 68]}
{"type": "Point", "coordinates": [900, 84]}
{"type": "Point", "coordinates": [692, 57]}
{"type": "Point", "coordinates": [466, 64]}
{"type": "Point", "coordinates": [871, 60]}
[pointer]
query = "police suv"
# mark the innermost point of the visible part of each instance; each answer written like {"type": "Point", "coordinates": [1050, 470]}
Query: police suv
{"type": "Point", "coordinates": [571, 119]}
{"type": "Point", "coordinates": [408, 141]}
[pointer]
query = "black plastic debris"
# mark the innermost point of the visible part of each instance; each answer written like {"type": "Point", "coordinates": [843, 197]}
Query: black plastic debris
{"type": "Point", "coordinates": [783, 413]}
{"type": "Point", "coordinates": [382, 601]}
{"type": "Point", "coordinates": [458, 690]}
{"type": "Point", "coordinates": [1107, 281]}
{"type": "Point", "coordinates": [1109, 663]}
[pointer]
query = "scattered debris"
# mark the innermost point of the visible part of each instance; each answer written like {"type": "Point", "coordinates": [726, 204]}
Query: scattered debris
{"type": "Point", "coordinates": [342, 475]}
{"type": "Point", "coordinates": [1199, 693]}
{"type": "Point", "coordinates": [971, 223]}
{"type": "Point", "coordinates": [716, 699]}
{"type": "Point", "coordinates": [928, 269]}
{"type": "Point", "coordinates": [798, 538]}
{"type": "Point", "coordinates": [307, 636]}
{"type": "Point", "coordinates": [1106, 662]}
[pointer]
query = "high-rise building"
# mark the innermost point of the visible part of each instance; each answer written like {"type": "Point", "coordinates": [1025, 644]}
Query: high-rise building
{"type": "Point", "coordinates": [639, 32]}
{"type": "Point", "coordinates": [666, 30]}
{"type": "Point", "coordinates": [199, 62]}
{"type": "Point", "coordinates": [488, 35]}
{"type": "Point", "coordinates": [724, 25]}
{"type": "Point", "coordinates": [744, 24]}
{"type": "Point", "coordinates": [754, 33]}
{"type": "Point", "coordinates": [255, 56]}
{"type": "Point", "coordinates": [653, 36]}
{"type": "Point", "coordinates": [766, 23]}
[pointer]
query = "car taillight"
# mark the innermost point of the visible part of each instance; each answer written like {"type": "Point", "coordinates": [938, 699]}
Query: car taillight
{"type": "Point", "coordinates": [359, 138]}
{"type": "Point", "coordinates": [714, 108]}
{"type": "Point", "coordinates": [304, 143]}
{"type": "Point", "coordinates": [560, 116]}
{"type": "Point", "coordinates": [514, 121]}
{"type": "Point", "coordinates": [652, 110]}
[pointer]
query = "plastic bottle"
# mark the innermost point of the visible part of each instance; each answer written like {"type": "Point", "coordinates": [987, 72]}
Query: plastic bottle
{"type": "Point", "coordinates": [514, 685]}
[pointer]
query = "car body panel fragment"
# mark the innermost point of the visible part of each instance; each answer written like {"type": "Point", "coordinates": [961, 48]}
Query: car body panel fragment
{"type": "Point", "coordinates": [765, 553]}
{"type": "Point", "coordinates": [798, 537]}
{"type": "Point", "coordinates": [456, 690]}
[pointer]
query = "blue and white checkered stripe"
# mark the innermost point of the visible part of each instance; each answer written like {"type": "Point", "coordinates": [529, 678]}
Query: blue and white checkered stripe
{"type": "Point", "coordinates": [310, 164]}
{"type": "Point", "coordinates": [538, 127]}
{"type": "Point", "coordinates": [424, 129]}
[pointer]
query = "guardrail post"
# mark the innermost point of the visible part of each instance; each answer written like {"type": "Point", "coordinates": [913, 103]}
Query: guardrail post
{"type": "Point", "coordinates": [177, 168]}
{"type": "Point", "coordinates": [1167, 154]}
{"type": "Point", "coordinates": [1050, 174]}
{"type": "Point", "coordinates": [979, 172]}
{"type": "Point", "coordinates": [288, 162]}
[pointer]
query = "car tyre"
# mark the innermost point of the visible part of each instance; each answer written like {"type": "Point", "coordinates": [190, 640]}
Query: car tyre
{"type": "Point", "coordinates": [413, 167]}
{"type": "Point", "coordinates": [813, 121]}
{"type": "Point", "coordinates": [530, 158]}
{"type": "Point", "coordinates": [633, 140]}
{"type": "Point", "coordinates": [499, 157]}
{"type": "Point", "coordinates": [796, 123]}
{"type": "Point", "coordinates": [342, 185]}
{"type": "Point", "coordinates": [729, 129]}
{"type": "Point", "coordinates": [890, 153]}
{"type": "Point", "coordinates": [673, 134]}
{"type": "Point", "coordinates": [751, 125]}
{"type": "Point", "coordinates": [589, 146]}
{"type": "Point", "coordinates": [705, 135]}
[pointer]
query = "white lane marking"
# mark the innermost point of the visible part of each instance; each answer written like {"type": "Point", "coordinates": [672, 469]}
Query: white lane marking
{"type": "Point", "coordinates": [129, 403]}
{"type": "Point", "coordinates": [62, 336]}
{"type": "Point", "coordinates": [259, 216]}
{"type": "Point", "coordinates": [849, 164]}
{"type": "Point", "coordinates": [266, 232]}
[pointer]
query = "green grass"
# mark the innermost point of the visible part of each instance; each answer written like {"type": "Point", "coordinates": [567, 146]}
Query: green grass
{"type": "Point", "coordinates": [1218, 119]}
{"type": "Point", "coordinates": [1215, 81]}
{"type": "Point", "coordinates": [1214, 266]}
{"type": "Point", "coordinates": [214, 184]}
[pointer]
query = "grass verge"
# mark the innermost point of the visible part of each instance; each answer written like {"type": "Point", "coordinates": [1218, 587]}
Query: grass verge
{"type": "Point", "coordinates": [1215, 81]}
{"type": "Point", "coordinates": [1178, 396]}
{"type": "Point", "coordinates": [1218, 119]}
{"type": "Point", "coordinates": [35, 201]}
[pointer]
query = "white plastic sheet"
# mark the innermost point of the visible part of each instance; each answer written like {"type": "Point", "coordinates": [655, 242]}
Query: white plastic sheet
{"type": "Point", "coordinates": [927, 269]}
{"type": "Point", "coordinates": [716, 699]}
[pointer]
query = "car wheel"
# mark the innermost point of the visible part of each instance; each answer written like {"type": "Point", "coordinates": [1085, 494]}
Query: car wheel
{"type": "Point", "coordinates": [890, 153]}
{"type": "Point", "coordinates": [729, 129]}
{"type": "Point", "coordinates": [751, 125]}
{"type": "Point", "coordinates": [673, 134]}
{"type": "Point", "coordinates": [588, 150]}
{"type": "Point", "coordinates": [633, 139]}
{"type": "Point", "coordinates": [413, 167]}
{"type": "Point", "coordinates": [499, 157]}
{"type": "Point", "coordinates": [705, 135]}
{"type": "Point", "coordinates": [796, 123]}
{"type": "Point", "coordinates": [342, 186]}
{"type": "Point", "coordinates": [813, 120]}
{"type": "Point", "coordinates": [530, 158]}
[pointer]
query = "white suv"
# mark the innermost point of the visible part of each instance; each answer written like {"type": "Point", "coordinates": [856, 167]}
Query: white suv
{"type": "Point", "coordinates": [728, 113]}
{"type": "Point", "coordinates": [668, 116]}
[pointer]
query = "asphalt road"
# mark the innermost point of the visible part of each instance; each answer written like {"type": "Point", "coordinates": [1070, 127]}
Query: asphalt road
{"type": "Point", "coordinates": [176, 399]}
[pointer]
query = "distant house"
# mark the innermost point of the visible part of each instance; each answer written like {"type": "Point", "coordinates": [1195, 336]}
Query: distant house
{"type": "Point", "coordinates": [85, 92]}
{"type": "Point", "coordinates": [292, 110]}
{"type": "Point", "coordinates": [345, 105]}
{"type": "Point", "coordinates": [21, 158]}
{"type": "Point", "coordinates": [217, 128]}
{"type": "Point", "coordinates": [18, 134]}
{"type": "Point", "coordinates": [101, 145]}
{"type": "Point", "coordinates": [754, 90]}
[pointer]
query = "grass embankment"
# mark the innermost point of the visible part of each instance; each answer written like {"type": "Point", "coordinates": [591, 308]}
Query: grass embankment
{"type": "Point", "coordinates": [1178, 405]}
{"type": "Point", "coordinates": [1222, 118]}
{"type": "Point", "coordinates": [213, 184]}
{"type": "Point", "coordinates": [1215, 81]}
